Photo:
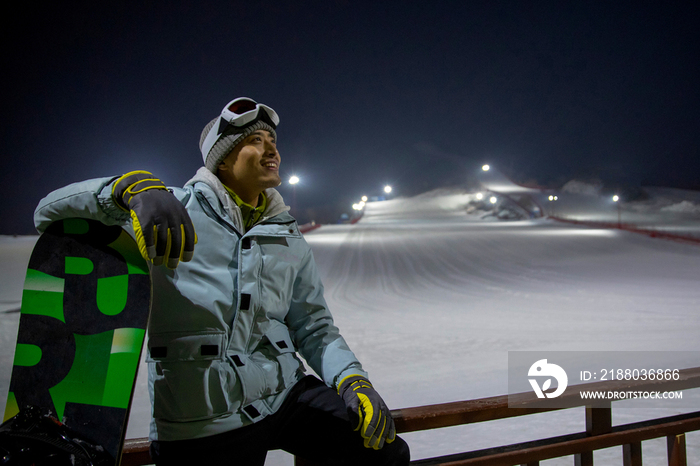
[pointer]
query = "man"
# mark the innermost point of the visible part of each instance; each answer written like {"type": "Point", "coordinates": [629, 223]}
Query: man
{"type": "Point", "coordinates": [228, 319]}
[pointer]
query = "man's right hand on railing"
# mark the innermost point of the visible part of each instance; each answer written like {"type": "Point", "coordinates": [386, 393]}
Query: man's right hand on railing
{"type": "Point", "coordinates": [367, 411]}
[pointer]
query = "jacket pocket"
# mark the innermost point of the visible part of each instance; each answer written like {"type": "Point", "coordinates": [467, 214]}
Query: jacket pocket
{"type": "Point", "coordinates": [271, 368]}
{"type": "Point", "coordinates": [289, 363]}
{"type": "Point", "coordinates": [192, 379]}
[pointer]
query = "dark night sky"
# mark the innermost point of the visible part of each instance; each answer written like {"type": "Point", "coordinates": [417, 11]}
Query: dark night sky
{"type": "Point", "coordinates": [415, 94]}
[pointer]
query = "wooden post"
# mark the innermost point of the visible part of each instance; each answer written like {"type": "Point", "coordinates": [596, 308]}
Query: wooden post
{"type": "Point", "coordinates": [583, 459]}
{"type": "Point", "coordinates": [598, 421]}
{"type": "Point", "coordinates": [676, 450]}
{"type": "Point", "coordinates": [632, 454]}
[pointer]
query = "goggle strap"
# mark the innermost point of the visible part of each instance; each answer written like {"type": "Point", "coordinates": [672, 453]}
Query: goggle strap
{"type": "Point", "coordinates": [213, 137]}
{"type": "Point", "coordinates": [223, 124]}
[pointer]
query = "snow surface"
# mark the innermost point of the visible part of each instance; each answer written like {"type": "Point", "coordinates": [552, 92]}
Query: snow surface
{"type": "Point", "coordinates": [431, 299]}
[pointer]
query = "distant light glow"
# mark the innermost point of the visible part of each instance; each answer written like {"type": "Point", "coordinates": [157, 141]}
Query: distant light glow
{"type": "Point", "coordinates": [493, 199]}
{"type": "Point", "coordinates": [479, 196]}
{"type": "Point", "coordinates": [319, 237]}
{"type": "Point", "coordinates": [486, 168]}
{"type": "Point", "coordinates": [387, 189]}
{"type": "Point", "coordinates": [294, 180]}
{"type": "Point", "coordinates": [364, 198]}
{"type": "Point", "coordinates": [553, 198]}
{"type": "Point", "coordinates": [574, 231]}
{"type": "Point", "coordinates": [616, 198]}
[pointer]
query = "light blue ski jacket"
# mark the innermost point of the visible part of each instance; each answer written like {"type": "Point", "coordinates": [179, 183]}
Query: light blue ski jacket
{"type": "Point", "coordinates": [226, 327]}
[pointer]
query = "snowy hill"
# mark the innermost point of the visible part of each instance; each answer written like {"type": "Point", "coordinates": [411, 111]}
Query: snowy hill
{"type": "Point", "coordinates": [666, 210]}
{"type": "Point", "coordinates": [14, 254]}
{"type": "Point", "coordinates": [433, 291]}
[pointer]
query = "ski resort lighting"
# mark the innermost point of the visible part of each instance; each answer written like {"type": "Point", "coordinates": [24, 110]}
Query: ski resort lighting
{"type": "Point", "coordinates": [364, 198]}
{"type": "Point", "coordinates": [615, 198]}
{"type": "Point", "coordinates": [553, 198]}
{"type": "Point", "coordinates": [357, 207]}
{"type": "Point", "coordinates": [387, 189]}
{"type": "Point", "coordinates": [493, 200]}
{"type": "Point", "coordinates": [479, 196]}
{"type": "Point", "coordinates": [294, 180]}
{"type": "Point", "coordinates": [486, 168]}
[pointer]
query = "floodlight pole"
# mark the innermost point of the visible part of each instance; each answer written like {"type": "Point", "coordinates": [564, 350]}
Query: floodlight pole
{"type": "Point", "coordinates": [293, 181]}
{"type": "Point", "coordinates": [552, 199]}
{"type": "Point", "coordinates": [619, 216]}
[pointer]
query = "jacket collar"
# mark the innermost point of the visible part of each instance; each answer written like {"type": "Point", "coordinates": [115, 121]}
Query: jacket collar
{"type": "Point", "coordinates": [275, 203]}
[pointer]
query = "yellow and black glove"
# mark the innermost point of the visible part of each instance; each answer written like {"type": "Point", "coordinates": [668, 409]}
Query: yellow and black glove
{"type": "Point", "coordinates": [367, 411]}
{"type": "Point", "coordinates": [161, 223]}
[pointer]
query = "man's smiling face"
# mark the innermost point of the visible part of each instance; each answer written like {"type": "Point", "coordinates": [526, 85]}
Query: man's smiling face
{"type": "Point", "coordinates": [252, 166]}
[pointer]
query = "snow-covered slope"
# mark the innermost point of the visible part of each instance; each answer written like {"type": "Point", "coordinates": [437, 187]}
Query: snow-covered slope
{"type": "Point", "coordinates": [432, 300]}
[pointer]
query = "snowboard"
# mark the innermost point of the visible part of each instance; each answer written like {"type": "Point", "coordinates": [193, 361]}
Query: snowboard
{"type": "Point", "coordinates": [85, 309]}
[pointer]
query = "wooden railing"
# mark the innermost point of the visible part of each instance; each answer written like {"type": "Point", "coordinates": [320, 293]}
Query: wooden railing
{"type": "Point", "coordinates": [598, 434]}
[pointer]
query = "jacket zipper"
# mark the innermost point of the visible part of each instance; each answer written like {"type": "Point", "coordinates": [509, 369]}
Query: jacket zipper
{"type": "Point", "coordinates": [204, 202]}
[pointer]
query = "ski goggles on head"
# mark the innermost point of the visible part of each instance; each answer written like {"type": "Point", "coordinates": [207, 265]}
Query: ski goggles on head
{"type": "Point", "coordinates": [239, 113]}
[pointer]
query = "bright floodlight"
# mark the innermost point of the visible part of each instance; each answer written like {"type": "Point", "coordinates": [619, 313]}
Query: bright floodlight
{"type": "Point", "coordinates": [493, 199]}
{"type": "Point", "coordinates": [294, 180]}
{"type": "Point", "coordinates": [364, 198]}
{"type": "Point", "coordinates": [387, 189]}
{"type": "Point", "coordinates": [553, 198]}
{"type": "Point", "coordinates": [616, 198]}
{"type": "Point", "coordinates": [486, 168]}
{"type": "Point", "coordinates": [356, 206]}
{"type": "Point", "coordinates": [479, 196]}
